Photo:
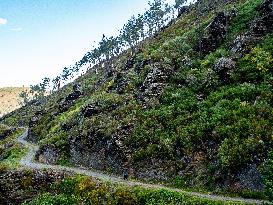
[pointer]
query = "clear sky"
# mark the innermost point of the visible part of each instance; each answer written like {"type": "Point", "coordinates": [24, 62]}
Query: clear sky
{"type": "Point", "coordinates": [38, 38]}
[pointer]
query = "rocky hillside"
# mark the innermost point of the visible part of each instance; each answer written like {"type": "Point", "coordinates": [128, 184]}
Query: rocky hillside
{"type": "Point", "coordinates": [9, 99]}
{"type": "Point", "coordinates": [192, 105]}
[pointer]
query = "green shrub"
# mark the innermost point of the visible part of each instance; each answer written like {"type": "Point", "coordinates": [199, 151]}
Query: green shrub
{"type": "Point", "coordinates": [268, 176]}
{"type": "Point", "coordinates": [255, 67]}
{"type": "Point", "coordinates": [234, 153]}
{"type": "Point", "coordinates": [48, 199]}
{"type": "Point", "coordinates": [245, 15]}
{"type": "Point", "coordinates": [260, 59]}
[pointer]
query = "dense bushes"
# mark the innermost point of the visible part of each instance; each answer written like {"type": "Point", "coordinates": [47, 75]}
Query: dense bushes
{"type": "Point", "coordinates": [245, 15]}
{"type": "Point", "coordinates": [84, 190]}
{"type": "Point", "coordinates": [226, 114]}
{"type": "Point", "coordinates": [268, 175]}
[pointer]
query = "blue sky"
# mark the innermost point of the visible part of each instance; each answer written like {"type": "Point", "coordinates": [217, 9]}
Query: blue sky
{"type": "Point", "coordinates": [40, 37]}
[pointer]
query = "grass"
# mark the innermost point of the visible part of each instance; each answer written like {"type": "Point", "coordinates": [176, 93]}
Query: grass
{"type": "Point", "coordinates": [12, 155]}
{"type": "Point", "coordinates": [80, 189]}
{"type": "Point", "coordinates": [197, 108]}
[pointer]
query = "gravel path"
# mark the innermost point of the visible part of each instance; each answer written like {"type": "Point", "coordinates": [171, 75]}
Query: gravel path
{"type": "Point", "coordinates": [28, 162]}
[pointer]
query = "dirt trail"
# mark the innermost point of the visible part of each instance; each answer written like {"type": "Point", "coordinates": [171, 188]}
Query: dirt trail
{"type": "Point", "coordinates": [28, 162]}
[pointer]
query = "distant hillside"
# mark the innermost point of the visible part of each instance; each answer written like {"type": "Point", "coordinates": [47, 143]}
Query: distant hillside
{"type": "Point", "coordinates": [9, 99]}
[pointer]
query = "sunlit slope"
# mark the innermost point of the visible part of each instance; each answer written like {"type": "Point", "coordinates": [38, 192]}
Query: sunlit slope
{"type": "Point", "coordinates": [9, 99]}
{"type": "Point", "coordinates": [191, 105]}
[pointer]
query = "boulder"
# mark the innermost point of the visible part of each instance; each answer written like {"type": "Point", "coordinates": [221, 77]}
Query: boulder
{"type": "Point", "coordinates": [155, 80]}
{"type": "Point", "coordinates": [223, 67]}
{"type": "Point", "coordinates": [90, 110]}
{"type": "Point", "coordinates": [48, 155]}
{"type": "Point", "coordinates": [216, 32]}
{"type": "Point", "coordinates": [250, 178]}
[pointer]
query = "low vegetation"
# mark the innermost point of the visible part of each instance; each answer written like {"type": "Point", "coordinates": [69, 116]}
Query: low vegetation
{"type": "Point", "coordinates": [84, 190]}
{"type": "Point", "coordinates": [189, 105]}
{"type": "Point", "coordinates": [10, 150]}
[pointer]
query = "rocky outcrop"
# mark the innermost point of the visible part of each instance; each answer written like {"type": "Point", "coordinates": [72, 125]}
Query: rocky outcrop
{"type": "Point", "coordinates": [48, 155]}
{"type": "Point", "coordinates": [264, 24]}
{"type": "Point", "coordinates": [66, 103]}
{"type": "Point", "coordinates": [91, 109]}
{"type": "Point", "coordinates": [120, 83]}
{"type": "Point", "coordinates": [216, 32]}
{"type": "Point", "coordinates": [19, 186]}
{"type": "Point", "coordinates": [250, 178]}
{"type": "Point", "coordinates": [97, 151]}
{"type": "Point", "coordinates": [155, 80]}
{"type": "Point", "coordinates": [34, 121]}
{"type": "Point", "coordinates": [266, 7]}
{"type": "Point", "coordinates": [223, 67]}
{"type": "Point", "coordinates": [35, 118]}
{"type": "Point", "coordinates": [260, 27]}
{"type": "Point", "coordinates": [242, 44]}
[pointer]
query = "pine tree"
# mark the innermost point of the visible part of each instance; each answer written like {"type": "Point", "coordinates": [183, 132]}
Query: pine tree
{"type": "Point", "coordinates": [178, 4]}
{"type": "Point", "coordinates": [44, 85]}
{"type": "Point", "coordinates": [25, 98]}
{"type": "Point", "coordinates": [56, 83]}
{"type": "Point", "coordinates": [66, 73]}
{"type": "Point", "coordinates": [157, 16]}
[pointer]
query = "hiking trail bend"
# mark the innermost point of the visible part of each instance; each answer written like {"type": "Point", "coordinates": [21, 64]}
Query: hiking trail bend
{"type": "Point", "coordinates": [28, 162]}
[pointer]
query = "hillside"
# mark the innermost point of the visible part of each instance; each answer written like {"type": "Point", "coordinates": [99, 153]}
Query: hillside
{"type": "Point", "coordinates": [9, 99]}
{"type": "Point", "coordinates": [191, 106]}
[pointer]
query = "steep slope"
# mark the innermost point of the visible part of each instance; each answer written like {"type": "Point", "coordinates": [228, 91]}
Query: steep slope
{"type": "Point", "coordinates": [192, 105]}
{"type": "Point", "coordinates": [9, 99]}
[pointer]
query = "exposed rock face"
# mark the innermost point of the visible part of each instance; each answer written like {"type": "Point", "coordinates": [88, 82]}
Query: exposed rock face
{"type": "Point", "coordinates": [223, 67]}
{"type": "Point", "coordinates": [154, 169]}
{"type": "Point", "coordinates": [70, 99]}
{"type": "Point", "coordinates": [260, 27]}
{"type": "Point", "coordinates": [91, 109]}
{"type": "Point", "coordinates": [37, 117]}
{"type": "Point", "coordinates": [250, 178]}
{"type": "Point", "coordinates": [48, 155]}
{"type": "Point", "coordinates": [101, 152]}
{"type": "Point", "coordinates": [155, 80]}
{"type": "Point", "coordinates": [216, 33]}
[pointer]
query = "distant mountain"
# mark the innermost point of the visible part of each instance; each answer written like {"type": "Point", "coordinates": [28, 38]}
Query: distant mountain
{"type": "Point", "coordinates": [9, 99]}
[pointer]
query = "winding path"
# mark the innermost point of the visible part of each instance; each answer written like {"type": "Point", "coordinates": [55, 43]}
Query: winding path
{"type": "Point", "coordinates": [28, 162]}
